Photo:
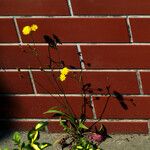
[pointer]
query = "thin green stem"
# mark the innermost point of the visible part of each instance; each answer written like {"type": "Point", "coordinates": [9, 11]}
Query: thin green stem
{"type": "Point", "coordinates": [60, 86]}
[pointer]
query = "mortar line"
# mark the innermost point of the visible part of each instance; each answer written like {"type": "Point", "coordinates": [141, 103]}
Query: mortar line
{"type": "Point", "coordinates": [76, 70]}
{"type": "Point", "coordinates": [129, 29]}
{"type": "Point", "coordinates": [32, 81]}
{"type": "Point", "coordinates": [88, 120]}
{"type": "Point", "coordinates": [118, 120]}
{"type": "Point", "coordinates": [93, 107]}
{"type": "Point", "coordinates": [66, 17]}
{"type": "Point", "coordinates": [82, 44]}
{"type": "Point", "coordinates": [79, 16]}
{"type": "Point", "coordinates": [18, 31]}
{"type": "Point", "coordinates": [73, 95]}
{"type": "Point", "coordinates": [81, 57]}
{"type": "Point", "coordinates": [28, 119]}
{"type": "Point", "coordinates": [139, 82]}
{"type": "Point", "coordinates": [139, 16]}
{"type": "Point", "coordinates": [70, 8]}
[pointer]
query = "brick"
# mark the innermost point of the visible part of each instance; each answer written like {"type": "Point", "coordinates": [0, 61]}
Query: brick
{"type": "Point", "coordinates": [26, 125]}
{"type": "Point", "coordinates": [106, 7]}
{"type": "Point", "coordinates": [8, 31]}
{"type": "Point", "coordinates": [37, 59]}
{"type": "Point", "coordinates": [8, 82]}
{"type": "Point", "coordinates": [35, 106]}
{"type": "Point", "coordinates": [140, 29]}
{"type": "Point", "coordinates": [54, 126]}
{"type": "Point", "coordinates": [145, 78]}
{"type": "Point", "coordinates": [122, 107]}
{"type": "Point", "coordinates": [16, 125]}
{"type": "Point", "coordinates": [78, 29]}
{"type": "Point", "coordinates": [33, 7]}
{"type": "Point", "coordinates": [116, 56]}
{"type": "Point", "coordinates": [123, 82]}
{"type": "Point", "coordinates": [45, 83]}
{"type": "Point", "coordinates": [123, 127]}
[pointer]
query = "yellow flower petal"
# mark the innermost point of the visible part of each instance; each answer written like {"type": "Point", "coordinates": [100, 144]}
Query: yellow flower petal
{"type": "Point", "coordinates": [62, 77]}
{"type": "Point", "coordinates": [34, 27]}
{"type": "Point", "coordinates": [64, 71]}
{"type": "Point", "coordinates": [26, 30]}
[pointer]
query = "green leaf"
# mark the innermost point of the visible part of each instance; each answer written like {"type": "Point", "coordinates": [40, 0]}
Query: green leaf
{"type": "Point", "coordinates": [83, 117]}
{"type": "Point", "coordinates": [44, 145]}
{"type": "Point", "coordinates": [56, 107]}
{"type": "Point", "coordinates": [28, 147]}
{"type": "Point", "coordinates": [102, 129]}
{"type": "Point", "coordinates": [6, 148]}
{"type": "Point", "coordinates": [33, 135]}
{"type": "Point", "coordinates": [16, 137]}
{"type": "Point", "coordinates": [23, 145]}
{"type": "Point", "coordinates": [108, 136]}
{"type": "Point", "coordinates": [72, 120]}
{"type": "Point", "coordinates": [35, 146]}
{"type": "Point", "coordinates": [55, 111]}
{"type": "Point", "coordinates": [41, 125]}
{"type": "Point", "coordinates": [64, 124]}
{"type": "Point", "coordinates": [82, 126]}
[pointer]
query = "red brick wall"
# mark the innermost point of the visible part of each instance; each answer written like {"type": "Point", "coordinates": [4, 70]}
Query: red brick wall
{"type": "Point", "coordinates": [111, 35]}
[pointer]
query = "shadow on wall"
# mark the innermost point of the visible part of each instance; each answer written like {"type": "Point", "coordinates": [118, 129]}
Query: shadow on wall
{"type": "Point", "coordinates": [108, 90]}
{"type": "Point", "coordinates": [8, 106]}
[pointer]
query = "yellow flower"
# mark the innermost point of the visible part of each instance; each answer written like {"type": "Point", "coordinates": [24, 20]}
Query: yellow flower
{"type": "Point", "coordinates": [26, 30]}
{"type": "Point", "coordinates": [64, 71]}
{"type": "Point", "coordinates": [34, 27]}
{"type": "Point", "coordinates": [62, 77]}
